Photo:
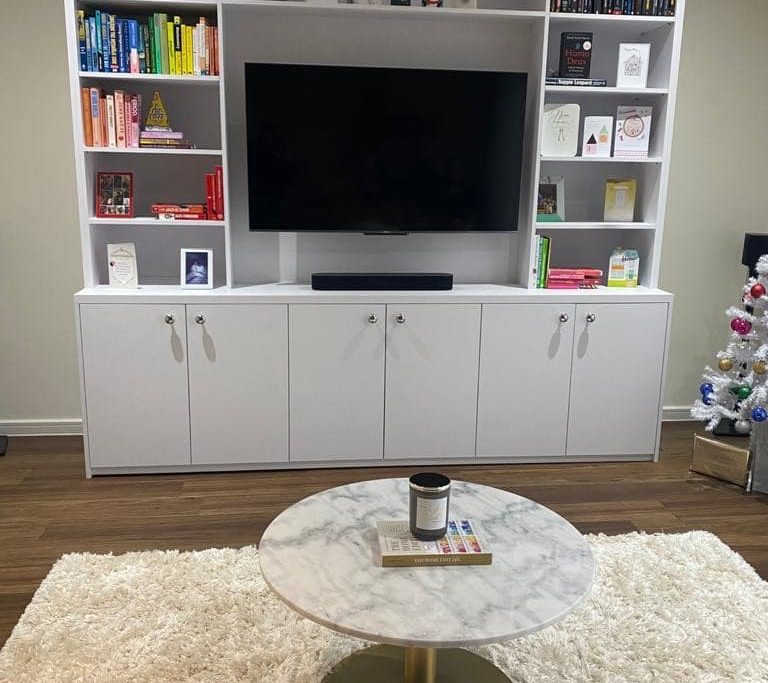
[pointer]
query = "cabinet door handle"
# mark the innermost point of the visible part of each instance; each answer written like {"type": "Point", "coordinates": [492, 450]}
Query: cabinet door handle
{"type": "Point", "coordinates": [200, 319]}
{"type": "Point", "coordinates": [170, 318]}
{"type": "Point", "coordinates": [373, 319]}
{"type": "Point", "coordinates": [400, 318]}
{"type": "Point", "coordinates": [563, 317]}
{"type": "Point", "coordinates": [591, 317]}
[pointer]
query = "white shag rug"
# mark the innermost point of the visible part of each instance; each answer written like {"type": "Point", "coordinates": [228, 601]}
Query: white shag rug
{"type": "Point", "coordinates": [664, 608]}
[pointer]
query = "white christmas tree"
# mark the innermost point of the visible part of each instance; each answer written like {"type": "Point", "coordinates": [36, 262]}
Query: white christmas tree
{"type": "Point", "coordinates": [738, 389]}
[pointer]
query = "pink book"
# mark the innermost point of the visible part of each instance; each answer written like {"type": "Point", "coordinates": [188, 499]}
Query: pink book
{"type": "Point", "coordinates": [120, 117]}
{"type": "Point", "coordinates": [135, 116]}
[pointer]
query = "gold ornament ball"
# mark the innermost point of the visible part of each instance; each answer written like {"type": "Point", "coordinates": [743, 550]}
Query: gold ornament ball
{"type": "Point", "coordinates": [725, 364]}
{"type": "Point", "coordinates": [759, 367]}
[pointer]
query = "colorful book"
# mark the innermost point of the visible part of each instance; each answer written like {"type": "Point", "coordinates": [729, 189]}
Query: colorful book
{"type": "Point", "coordinates": [162, 40]}
{"type": "Point", "coordinates": [119, 100]}
{"type": "Point", "coordinates": [177, 45]}
{"type": "Point", "coordinates": [114, 55]}
{"type": "Point", "coordinates": [133, 46]}
{"type": "Point", "coordinates": [81, 40]}
{"type": "Point", "coordinates": [111, 127]}
{"type": "Point", "coordinates": [464, 543]}
{"type": "Point", "coordinates": [85, 109]}
{"type": "Point", "coordinates": [170, 48]}
{"type": "Point", "coordinates": [575, 54]}
{"type": "Point", "coordinates": [219, 192]}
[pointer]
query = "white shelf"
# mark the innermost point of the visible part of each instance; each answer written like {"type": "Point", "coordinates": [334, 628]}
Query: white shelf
{"type": "Point", "coordinates": [156, 223]}
{"type": "Point", "coordinates": [604, 160]}
{"type": "Point", "coordinates": [150, 78]}
{"type": "Point", "coordinates": [648, 22]}
{"type": "Point", "coordinates": [149, 150]}
{"type": "Point", "coordinates": [605, 90]}
{"type": "Point", "coordinates": [565, 225]}
{"type": "Point", "coordinates": [153, 5]}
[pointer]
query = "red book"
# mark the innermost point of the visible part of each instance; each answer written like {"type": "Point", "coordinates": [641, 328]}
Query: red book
{"type": "Point", "coordinates": [103, 121]}
{"type": "Point", "coordinates": [178, 208]}
{"type": "Point", "coordinates": [177, 216]}
{"type": "Point", "coordinates": [219, 192]}
{"type": "Point", "coordinates": [210, 185]}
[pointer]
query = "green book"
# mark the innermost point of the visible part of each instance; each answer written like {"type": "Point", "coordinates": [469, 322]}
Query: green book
{"type": "Point", "coordinates": [146, 33]}
{"type": "Point", "coordinates": [161, 40]}
{"type": "Point", "coordinates": [545, 261]}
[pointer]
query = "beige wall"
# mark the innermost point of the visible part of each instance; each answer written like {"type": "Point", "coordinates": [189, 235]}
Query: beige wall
{"type": "Point", "coordinates": [717, 189]}
{"type": "Point", "coordinates": [716, 194]}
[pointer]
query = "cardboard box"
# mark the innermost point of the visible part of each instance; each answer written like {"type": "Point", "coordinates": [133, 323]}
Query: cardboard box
{"type": "Point", "coordinates": [720, 460]}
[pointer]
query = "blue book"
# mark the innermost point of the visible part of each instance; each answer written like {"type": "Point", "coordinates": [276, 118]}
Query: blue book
{"type": "Point", "coordinates": [133, 46]}
{"type": "Point", "coordinates": [120, 37]}
{"type": "Point", "coordinates": [106, 50]}
{"type": "Point", "coordinates": [98, 41]}
{"type": "Point", "coordinates": [88, 55]}
{"type": "Point", "coordinates": [142, 49]}
{"type": "Point", "coordinates": [81, 40]}
{"type": "Point", "coordinates": [94, 50]}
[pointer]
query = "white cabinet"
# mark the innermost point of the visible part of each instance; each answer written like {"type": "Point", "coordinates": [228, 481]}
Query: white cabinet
{"type": "Point", "coordinates": [525, 373]}
{"type": "Point", "coordinates": [431, 384]}
{"type": "Point", "coordinates": [336, 381]}
{"type": "Point", "coordinates": [135, 378]}
{"type": "Point", "coordinates": [238, 382]}
{"type": "Point", "coordinates": [618, 360]}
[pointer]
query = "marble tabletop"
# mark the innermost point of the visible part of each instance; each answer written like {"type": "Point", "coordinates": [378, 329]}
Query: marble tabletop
{"type": "Point", "coordinates": [320, 556]}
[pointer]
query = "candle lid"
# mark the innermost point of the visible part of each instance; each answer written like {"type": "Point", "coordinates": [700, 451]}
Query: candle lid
{"type": "Point", "coordinates": [429, 482]}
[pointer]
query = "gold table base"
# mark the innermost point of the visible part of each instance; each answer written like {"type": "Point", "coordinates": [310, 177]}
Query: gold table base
{"type": "Point", "coordinates": [394, 664]}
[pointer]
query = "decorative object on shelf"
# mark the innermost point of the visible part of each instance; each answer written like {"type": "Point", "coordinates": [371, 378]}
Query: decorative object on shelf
{"type": "Point", "coordinates": [550, 204]}
{"type": "Point", "coordinates": [560, 130]}
{"type": "Point", "coordinates": [429, 497]}
{"type": "Point", "coordinates": [632, 70]}
{"type": "Point", "coordinates": [620, 200]}
{"type": "Point", "coordinates": [196, 268]}
{"type": "Point", "coordinates": [574, 278]}
{"type": "Point", "coordinates": [623, 268]}
{"type": "Point", "coordinates": [121, 264]}
{"type": "Point", "coordinates": [598, 135]}
{"type": "Point", "coordinates": [114, 195]}
{"type": "Point", "coordinates": [575, 54]}
{"type": "Point", "coordinates": [580, 82]}
{"type": "Point", "coordinates": [633, 132]}
{"type": "Point", "coordinates": [619, 7]}
{"type": "Point", "coordinates": [157, 128]}
{"type": "Point", "coordinates": [155, 44]}
{"type": "Point", "coordinates": [543, 246]}
{"type": "Point", "coordinates": [463, 543]}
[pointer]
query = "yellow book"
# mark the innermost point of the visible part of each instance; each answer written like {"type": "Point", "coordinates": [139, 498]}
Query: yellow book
{"type": "Point", "coordinates": [188, 69]}
{"type": "Point", "coordinates": [171, 51]}
{"type": "Point", "coordinates": [177, 44]}
{"type": "Point", "coordinates": [620, 201]}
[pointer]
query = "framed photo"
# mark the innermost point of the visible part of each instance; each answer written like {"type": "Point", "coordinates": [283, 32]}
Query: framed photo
{"type": "Point", "coordinates": [550, 205]}
{"type": "Point", "coordinates": [196, 269]}
{"type": "Point", "coordinates": [114, 195]}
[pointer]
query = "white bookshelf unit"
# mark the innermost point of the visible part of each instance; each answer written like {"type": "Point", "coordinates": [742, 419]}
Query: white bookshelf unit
{"type": "Point", "coordinates": [231, 384]}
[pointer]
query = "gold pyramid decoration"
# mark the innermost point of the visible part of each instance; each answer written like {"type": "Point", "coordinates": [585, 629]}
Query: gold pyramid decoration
{"type": "Point", "coordinates": [157, 116]}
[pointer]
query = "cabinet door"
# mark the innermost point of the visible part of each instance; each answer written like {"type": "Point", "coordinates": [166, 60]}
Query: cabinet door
{"type": "Point", "coordinates": [135, 368]}
{"type": "Point", "coordinates": [336, 381]}
{"type": "Point", "coordinates": [618, 364]}
{"type": "Point", "coordinates": [238, 382]}
{"type": "Point", "coordinates": [431, 397]}
{"type": "Point", "coordinates": [525, 374]}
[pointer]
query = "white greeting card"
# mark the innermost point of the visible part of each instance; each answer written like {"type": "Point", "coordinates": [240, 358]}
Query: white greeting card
{"type": "Point", "coordinates": [632, 71]}
{"type": "Point", "coordinates": [121, 260]}
{"type": "Point", "coordinates": [560, 134]}
{"type": "Point", "coordinates": [633, 132]}
{"type": "Point", "coordinates": [598, 134]}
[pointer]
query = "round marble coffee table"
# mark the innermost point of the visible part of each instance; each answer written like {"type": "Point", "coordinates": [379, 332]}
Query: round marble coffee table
{"type": "Point", "coordinates": [320, 556]}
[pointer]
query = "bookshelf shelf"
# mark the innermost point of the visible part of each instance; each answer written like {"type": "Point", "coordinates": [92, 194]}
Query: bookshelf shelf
{"type": "Point", "coordinates": [149, 78]}
{"type": "Point", "coordinates": [147, 150]}
{"type": "Point", "coordinates": [603, 160]}
{"type": "Point", "coordinates": [156, 223]}
{"type": "Point", "coordinates": [595, 226]}
{"type": "Point", "coordinates": [604, 90]}
{"type": "Point", "coordinates": [648, 23]}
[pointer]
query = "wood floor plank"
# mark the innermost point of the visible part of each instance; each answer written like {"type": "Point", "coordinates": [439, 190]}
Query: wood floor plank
{"type": "Point", "coordinates": [48, 508]}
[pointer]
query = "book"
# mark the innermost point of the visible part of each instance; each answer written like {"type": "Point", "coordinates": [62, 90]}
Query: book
{"type": "Point", "coordinates": [464, 543]}
{"type": "Point", "coordinates": [133, 46]}
{"type": "Point", "coordinates": [620, 200]}
{"type": "Point", "coordinates": [111, 125]}
{"type": "Point", "coordinates": [85, 110]}
{"type": "Point", "coordinates": [633, 132]}
{"type": "Point", "coordinates": [583, 82]}
{"type": "Point", "coordinates": [120, 136]}
{"type": "Point", "coordinates": [632, 69]}
{"type": "Point", "coordinates": [597, 137]}
{"type": "Point", "coordinates": [575, 54]}
{"type": "Point", "coordinates": [81, 40]}
{"type": "Point", "coordinates": [171, 49]}
{"type": "Point", "coordinates": [560, 131]}
{"type": "Point", "coordinates": [177, 44]}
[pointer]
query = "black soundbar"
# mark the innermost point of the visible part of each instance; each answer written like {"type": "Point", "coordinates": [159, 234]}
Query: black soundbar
{"type": "Point", "coordinates": [381, 281]}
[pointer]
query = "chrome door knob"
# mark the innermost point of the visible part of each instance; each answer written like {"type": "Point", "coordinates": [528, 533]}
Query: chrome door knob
{"type": "Point", "coordinates": [591, 317]}
{"type": "Point", "coordinates": [563, 317]}
{"type": "Point", "coordinates": [170, 318]}
{"type": "Point", "coordinates": [200, 319]}
{"type": "Point", "coordinates": [373, 319]}
{"type": "Point", "coordinates": [400, 318]}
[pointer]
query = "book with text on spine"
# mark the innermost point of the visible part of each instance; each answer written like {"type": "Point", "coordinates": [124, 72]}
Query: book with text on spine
{"type": "Point", "coordinates": [463, 543]}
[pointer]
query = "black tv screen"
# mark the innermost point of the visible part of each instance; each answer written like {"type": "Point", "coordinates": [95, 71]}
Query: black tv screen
{"type": "Point", "coordinates": [371, 149]}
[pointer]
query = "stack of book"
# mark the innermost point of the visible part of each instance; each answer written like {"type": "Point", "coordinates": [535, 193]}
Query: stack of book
{"type": "Point", "coordinates": [163, 138]}
{"type": "Point", "coordinates": [157, 44]}
{"type": "Point", "coordinates": [573, 278]}
{"type": "Point", "coordinates": [110, 119]}
{"type": "Point", "coordinates": [212, 209]}
{"type": "Point", "coordinates": [658, 8]}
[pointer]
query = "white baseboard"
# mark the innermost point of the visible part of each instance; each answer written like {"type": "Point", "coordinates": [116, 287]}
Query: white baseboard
{"type": "Point", "coordinates": [676, 414]}
{"type": "Point", "coordinates": [52, 427]}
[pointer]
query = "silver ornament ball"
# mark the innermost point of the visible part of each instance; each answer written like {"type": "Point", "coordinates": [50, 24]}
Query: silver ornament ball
{"type": "Point", "coordinates": [743, 426]}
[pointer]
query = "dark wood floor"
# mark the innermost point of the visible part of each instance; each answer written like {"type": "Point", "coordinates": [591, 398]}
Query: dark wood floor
{"type": "Point", "coordinates": [48, 508]}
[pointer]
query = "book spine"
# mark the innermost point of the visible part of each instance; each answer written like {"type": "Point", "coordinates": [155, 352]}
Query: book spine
{"type": "Point", "coordinates": [85, 110]}
{"type": "Point", "coordinates": [210, 210]}
{"type": "Point", "coordinates": [96, 117]}
{"type": "Point", "coordinates": [169, 44]}
{"type": "Point", "coordinates": [150, 42]}
{"type": "Point", "coordinates": [215, 32]}
{"type": "Point", "coordinates": [119, 97]}
{"type": "Point", "coordinates": [177, 45]}
{"type": "Point", "coordinates": [88, 46]}
{"type": "Point", "coordinates": [106, 57]}
{"type": "Point", "coordinates": [93, 56]}
{"type": "Point", "coordinates": [135, 116]}
{"type": "Point", "coordinates": [162, 41]}
{"type": "Point", "coordinates": [545, 260]}
{"type": "Point", "coordinates": [536, 260]}
{"type": "Point", "coordinates": [166, 135]}
{"type": "Point", "coordinates": [143, 49]}
{"type": "Point", "coordinates": [219, 172]}
{"type": "Point", "coordinates": [103, 121]}
{"type": "Point", "coordinates": [203, 53]}
{"type": "Point", "coordinates": [133, 46]}
{"type": "Point", "coordinates": [173, 216]}
{"type": "Point", "coordinates": [435, 560]}
{"type": "Point", "coordinates": [81, 40]}
{"type": "Point", "coordinates": [111, 128]}
{"type": "Point", "coordinates": [196, 50]}
{"type": "Point", "coordinates": [114, 55]}
{"type": "Point", "coordinates": [187, 46]}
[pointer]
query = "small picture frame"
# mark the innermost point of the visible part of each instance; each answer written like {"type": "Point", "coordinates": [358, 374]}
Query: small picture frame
{"type": "Point", "coordinates": [114, 195]}
{"type": "Point", "coordinates": [550, 205]}
{"type": "Point", "coordinates": [196, 266]}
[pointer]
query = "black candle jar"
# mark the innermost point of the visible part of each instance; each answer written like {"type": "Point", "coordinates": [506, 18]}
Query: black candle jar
{"type": "Point", "coordinates": [429, 496]}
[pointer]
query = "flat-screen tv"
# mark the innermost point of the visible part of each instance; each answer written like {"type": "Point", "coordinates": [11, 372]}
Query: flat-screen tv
{"type": "Point", "coordinates": [383, 150]}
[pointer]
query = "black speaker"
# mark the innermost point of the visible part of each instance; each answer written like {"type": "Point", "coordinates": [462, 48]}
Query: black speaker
{"type": "Point", "coordinates": [755, 245]}
{"type": "Point", "coordinates": [381, 281]}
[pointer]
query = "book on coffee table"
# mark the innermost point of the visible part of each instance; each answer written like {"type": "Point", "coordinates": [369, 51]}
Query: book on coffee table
{"type": "Point", "coordinates": [463, 543]}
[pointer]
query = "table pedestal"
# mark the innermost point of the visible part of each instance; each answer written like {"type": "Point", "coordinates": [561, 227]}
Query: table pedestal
{"type": "Point", "coordinates": [395, 664]}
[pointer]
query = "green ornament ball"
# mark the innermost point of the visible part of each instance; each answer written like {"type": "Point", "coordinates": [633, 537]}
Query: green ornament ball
{"type": "Point", "coordinates": [741, 391]}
